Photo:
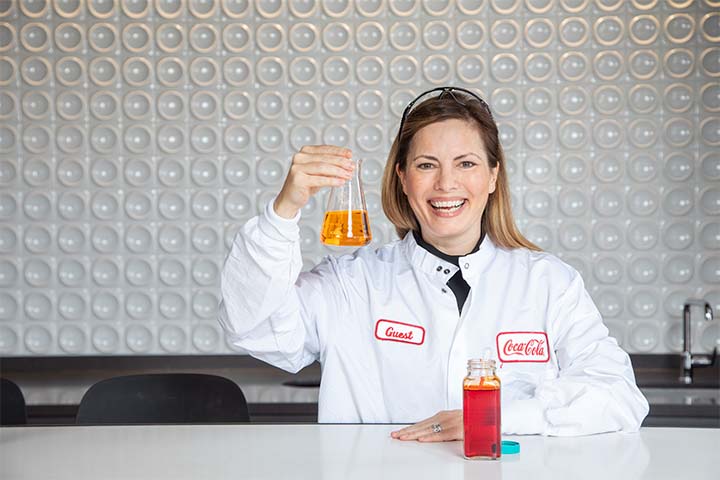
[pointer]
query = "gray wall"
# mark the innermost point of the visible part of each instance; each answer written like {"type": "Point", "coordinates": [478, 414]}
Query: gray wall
{"type": "Point", "coordinates": [136, 136]}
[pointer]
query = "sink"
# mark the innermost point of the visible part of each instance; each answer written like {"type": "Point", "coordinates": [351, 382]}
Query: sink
{"type": "Point", "coordinates": [686, 407]}
{"type": "Point", "coordinates": [682, 396]}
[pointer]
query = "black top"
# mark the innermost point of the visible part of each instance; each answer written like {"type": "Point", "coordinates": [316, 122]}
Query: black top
{"type": "Point", "coordinates": [457, 283]}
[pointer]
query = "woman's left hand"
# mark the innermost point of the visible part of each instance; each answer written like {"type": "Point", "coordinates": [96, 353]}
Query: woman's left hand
{"type": "Point", "coordinates": [450, 424]}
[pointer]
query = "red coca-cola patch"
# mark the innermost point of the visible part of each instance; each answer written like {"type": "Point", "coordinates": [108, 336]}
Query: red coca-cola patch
{"type": "Point", "coordinates": [399, 332]}
{"type": "Point", "coordinates": [523, 347]}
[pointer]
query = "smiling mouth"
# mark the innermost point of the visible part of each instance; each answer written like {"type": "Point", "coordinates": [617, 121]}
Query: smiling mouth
{"type": "Point", "coordinates": [447, 206]}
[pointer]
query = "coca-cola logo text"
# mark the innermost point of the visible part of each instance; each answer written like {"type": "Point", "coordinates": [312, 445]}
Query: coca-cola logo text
{"type": "Point", "coordinates": [531, 347]}
{"type": "Point", "coordinates": [523, 347]}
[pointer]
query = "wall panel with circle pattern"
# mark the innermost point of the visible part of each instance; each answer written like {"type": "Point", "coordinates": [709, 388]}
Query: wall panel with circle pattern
{"type": "Point", "coordinates": [137, 135]}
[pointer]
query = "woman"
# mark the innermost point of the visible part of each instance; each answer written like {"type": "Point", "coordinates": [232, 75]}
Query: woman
{"type": "Point", "coordinates": [394, 328]}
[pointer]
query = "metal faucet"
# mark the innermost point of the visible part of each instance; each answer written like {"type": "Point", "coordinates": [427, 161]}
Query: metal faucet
{"type": "Point", "coordinates": [688, 359]}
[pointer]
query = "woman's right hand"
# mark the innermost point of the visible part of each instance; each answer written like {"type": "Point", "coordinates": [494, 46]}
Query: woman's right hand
{"type": "Point", "coordinates": [313, 167]}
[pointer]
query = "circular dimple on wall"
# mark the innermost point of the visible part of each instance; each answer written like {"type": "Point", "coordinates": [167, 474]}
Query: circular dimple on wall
{"type": "Point", "coordinates": [642, 167]}
{"type": "Point", "coordinates": [205, 338]}
{"type": "Point", "coordinates": [644, 337]}
{"type": "Point", "coordinates": [204, 304]}
{"type": "Point", "coordinates": [679, 269]}
{"type": "Point", "coordinates": [643, 270]}
{"type": "Point", "coordinates": [643, 235]}
{"type": "Point", "coordinates": [71, 239]}
{"type": "Point", "coordinates": [710, 270]}
{"type": "Point", "coordinates": [105, 272]}
{"type": "Point", "coordinates": [607, 270]}
{"type": "Point", "coordinates": [72, 306]}
{"type": "Point", "coordinates": [72, 340]}
{"type": "Point", "coordinates": [172, 272]}
{"type": "Point", "coordinates": [710, 236]}
{"type": "Point", "coordinates": [607, 236]}
{"type": "Point", "coordinates": [336, 36]}
{"type": "Point", "coordinates": [71, 273]}
{"type": "Point", "coordinates": [572, 236]}
{"type": "Point", "coordinates": [138, 338]}
{"type": "Point", "coordinates": [172, 305]}
{"type": "Point", "coordinates": [138, 305]}
{"type": "Point", "coordinates": [679, 235]}
{"type": "Point", "coordinates": [105, 305]}
{"type": "Point", "coordinates": [369, 71]}
{"type": "Point", "coordinates": [172, 339]}
{"type": "Point", "coordinates": [370, 36]}
{"type": "Point", "coordinates": [105, 339]}
{"type": "Point", "coordinates": [103, 37]}
{"type": "Point", "coordinates": [237, 205]}
{"type": "Point", "coordinates": [303, 37]}
{"type": "Point", "coordinates": [38, 306]}
{"type": "Point", "coordinates": [609, 302]}
{"type": "Point", "coordinates": [8, 239]}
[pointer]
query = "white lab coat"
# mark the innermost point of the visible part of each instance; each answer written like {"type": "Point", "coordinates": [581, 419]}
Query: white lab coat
{"type": "Point", "coordinates": [339, 312]}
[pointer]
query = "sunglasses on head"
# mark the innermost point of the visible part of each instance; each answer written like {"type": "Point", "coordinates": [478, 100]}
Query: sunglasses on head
{"type": "Point", "coordinates": [444, 91]}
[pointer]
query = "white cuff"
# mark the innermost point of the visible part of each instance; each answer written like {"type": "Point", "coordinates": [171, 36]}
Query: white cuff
{"type": "Point", "coordinates": [277, 227]}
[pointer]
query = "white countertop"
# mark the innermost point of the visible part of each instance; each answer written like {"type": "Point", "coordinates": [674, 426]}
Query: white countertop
{"type": "Point", "coordinates": [341, 452]}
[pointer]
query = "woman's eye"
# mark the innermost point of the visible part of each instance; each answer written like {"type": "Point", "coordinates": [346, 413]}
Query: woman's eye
{"type": "Point", "coordinates": [425, 166]}
{"type": "Point", "coordinates": [467, 164]}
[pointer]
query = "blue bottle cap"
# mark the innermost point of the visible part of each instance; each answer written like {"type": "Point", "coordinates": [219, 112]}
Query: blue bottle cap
{"type": "Point", "coordinates": [508, 447]}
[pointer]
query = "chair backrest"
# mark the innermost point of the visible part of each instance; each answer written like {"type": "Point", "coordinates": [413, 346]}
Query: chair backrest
{"type": "Point", "coordinates": [163, 398]}
{"type": "Point", "coordinates": [12, 404]}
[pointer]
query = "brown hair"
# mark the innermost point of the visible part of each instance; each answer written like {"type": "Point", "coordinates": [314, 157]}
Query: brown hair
{"type": "Point", "coordinates": [497, 220]}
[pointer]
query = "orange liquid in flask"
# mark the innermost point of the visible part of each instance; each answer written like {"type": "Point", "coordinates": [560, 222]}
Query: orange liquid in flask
{"type": "Point", "coordinates": [346, 228]}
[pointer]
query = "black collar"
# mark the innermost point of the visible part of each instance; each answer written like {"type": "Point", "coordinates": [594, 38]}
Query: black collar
{"type": "Point", "coordinates": [454, 259]}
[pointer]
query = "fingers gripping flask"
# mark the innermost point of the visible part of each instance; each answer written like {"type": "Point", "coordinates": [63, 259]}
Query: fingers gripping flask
{"type": "Point", "coordinates": [481, 410]}
{"type": "Point", "coordinates": [346, 221]}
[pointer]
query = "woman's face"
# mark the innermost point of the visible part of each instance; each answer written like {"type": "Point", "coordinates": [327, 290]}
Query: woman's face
{"type": "Point", "coordinates": [447, 180]}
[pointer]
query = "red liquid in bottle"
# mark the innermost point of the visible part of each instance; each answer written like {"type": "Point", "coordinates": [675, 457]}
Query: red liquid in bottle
{"type": "Point", "coordinates": [481, 418]}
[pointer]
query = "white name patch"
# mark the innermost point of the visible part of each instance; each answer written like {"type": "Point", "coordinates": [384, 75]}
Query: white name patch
{"type": "Point", "coordinates": [393, 331]}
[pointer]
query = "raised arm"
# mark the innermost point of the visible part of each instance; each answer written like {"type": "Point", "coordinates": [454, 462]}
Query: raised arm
{"type": "Point", "coordinates": [267, 307]}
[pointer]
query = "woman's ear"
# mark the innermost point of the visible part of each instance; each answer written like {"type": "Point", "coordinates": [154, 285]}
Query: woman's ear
{"type": "Point", "coordinates": [493, 179]}
{"type": "Point", "coordinates": [401, 175]}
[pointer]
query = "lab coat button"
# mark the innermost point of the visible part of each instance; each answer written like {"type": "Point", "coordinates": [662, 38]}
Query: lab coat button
{"type": "Point", "coordinates": [444, 291]}
{"type": "Point", "coordinates": [467, 265]}
{"type": "Point", "coordinates": [439, 269]}
{"type": "Point", "coordinates": [447, 270]}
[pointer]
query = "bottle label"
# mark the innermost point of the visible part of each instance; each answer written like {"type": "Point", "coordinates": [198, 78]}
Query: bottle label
{"type": "Point", "coordinates": [399, 332]}
{"type": "Point", "coordinates": [523, 347]}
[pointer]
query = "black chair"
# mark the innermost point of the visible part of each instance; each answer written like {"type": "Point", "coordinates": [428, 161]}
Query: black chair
{"type": "Point", "coordinates": [163, 398]}
{"type": "Point", "coordinates": [12, 404]}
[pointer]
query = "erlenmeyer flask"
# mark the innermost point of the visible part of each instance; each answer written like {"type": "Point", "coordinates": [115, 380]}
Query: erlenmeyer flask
{"type": "Point", "coordinates": [346, 221]}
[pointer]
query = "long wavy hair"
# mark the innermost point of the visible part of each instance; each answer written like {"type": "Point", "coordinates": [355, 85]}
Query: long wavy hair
{"type": "Point", "coordinates": [497, 219]}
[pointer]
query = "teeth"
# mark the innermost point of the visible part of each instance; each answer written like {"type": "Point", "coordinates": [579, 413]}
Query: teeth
{"type": "Point", "coordinates": [452, 204]}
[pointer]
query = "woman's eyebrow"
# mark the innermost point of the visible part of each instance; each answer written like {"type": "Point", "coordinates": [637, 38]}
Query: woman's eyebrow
{"type": "Point", "coordinates": [459, 157]}
{"type": "Point", "coordinates": [428, 157]}
{"type": "Point", "coordinates": [468, 155]}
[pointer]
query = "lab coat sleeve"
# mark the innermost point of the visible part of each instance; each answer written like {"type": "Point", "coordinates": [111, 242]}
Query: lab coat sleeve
{"type": "Point", "coordinates": [268, 308]}
{"type": "Point", "coordinates": [595, 390]}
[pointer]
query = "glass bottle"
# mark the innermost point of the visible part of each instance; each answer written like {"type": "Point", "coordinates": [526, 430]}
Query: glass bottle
{"type": "Point", "coordinates": [346, 221]}
{"type": "Point", "coordinates": [481, 411]}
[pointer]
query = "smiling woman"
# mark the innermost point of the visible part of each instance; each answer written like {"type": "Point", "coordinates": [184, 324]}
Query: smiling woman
{"type": "Point", "coordinates": [448, 120]}
{"type": "Point", "coordinates": [394, 327]}
{"type": "Point", "coordinates": [445, 188]}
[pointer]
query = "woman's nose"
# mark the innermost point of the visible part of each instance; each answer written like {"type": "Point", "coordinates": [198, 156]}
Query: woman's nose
{"type": "Point", "coordinates": [446, 179]}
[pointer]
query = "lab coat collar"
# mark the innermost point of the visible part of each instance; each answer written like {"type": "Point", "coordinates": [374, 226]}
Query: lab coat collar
{"type": "Point", "coordinates": [472, 265]}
